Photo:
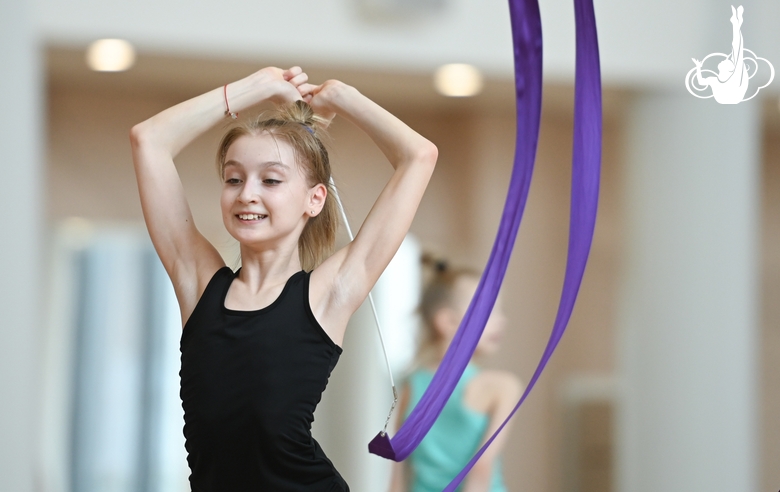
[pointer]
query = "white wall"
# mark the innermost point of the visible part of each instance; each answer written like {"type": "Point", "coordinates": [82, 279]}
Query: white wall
{"type": "Point", "coordinates": [689, 302]}
{"type": "Point", "coordinates": [21, 225]}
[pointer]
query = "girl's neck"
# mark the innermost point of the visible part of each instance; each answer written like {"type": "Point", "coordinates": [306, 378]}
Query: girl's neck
{"type": "Point", "coordinates": [271, 265]}
{"type": "Point", "coordinates": [437, 355]}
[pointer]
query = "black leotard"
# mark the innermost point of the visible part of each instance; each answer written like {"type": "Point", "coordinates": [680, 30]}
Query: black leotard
{"type": "Point", "coordinates": [250, 381]}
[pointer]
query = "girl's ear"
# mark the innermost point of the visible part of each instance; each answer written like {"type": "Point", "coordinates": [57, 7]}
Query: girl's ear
{"type": "Point", "coordinates": [317, 195]}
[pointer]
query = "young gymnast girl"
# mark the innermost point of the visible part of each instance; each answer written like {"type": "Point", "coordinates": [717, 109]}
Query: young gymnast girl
{"type": "Point", "coordinates": [259, 344]}
{"type": "Point", "coordinates": [481, 400]}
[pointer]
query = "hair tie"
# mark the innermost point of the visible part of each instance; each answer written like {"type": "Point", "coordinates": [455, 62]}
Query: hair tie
{"type": "Point", "coordinates": [308, 128]}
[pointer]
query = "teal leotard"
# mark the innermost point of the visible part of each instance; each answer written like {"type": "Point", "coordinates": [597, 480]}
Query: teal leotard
{"type": "Point", "coordinates": [451, 442]}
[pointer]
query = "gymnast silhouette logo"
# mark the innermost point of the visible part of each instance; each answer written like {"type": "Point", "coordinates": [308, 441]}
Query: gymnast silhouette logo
{"type": "Point", "coordinates": [729, 85]}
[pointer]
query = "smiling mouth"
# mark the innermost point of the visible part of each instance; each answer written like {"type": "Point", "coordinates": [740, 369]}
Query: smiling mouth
{"type": "Point", "coordinates": [251, 216]}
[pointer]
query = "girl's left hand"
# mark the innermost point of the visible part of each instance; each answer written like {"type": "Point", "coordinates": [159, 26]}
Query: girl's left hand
{"type": "Point", "coordinates": [324, 98]}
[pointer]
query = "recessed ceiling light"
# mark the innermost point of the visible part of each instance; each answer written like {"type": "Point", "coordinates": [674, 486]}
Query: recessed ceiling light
{"type": "Point", "coordinates": [458, 80]}
{"type": "Point", "coordinates": [110, 55]}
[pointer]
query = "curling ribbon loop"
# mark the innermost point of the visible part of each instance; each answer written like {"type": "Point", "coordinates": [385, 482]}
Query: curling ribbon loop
{"type": "Point", "coordinates": [586, 162]}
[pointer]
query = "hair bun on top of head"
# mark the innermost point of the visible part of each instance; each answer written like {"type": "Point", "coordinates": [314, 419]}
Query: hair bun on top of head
{"type": "Point", "coordinates": [299, 112]}
{"type": "Point", "coordinates": [438, 265]}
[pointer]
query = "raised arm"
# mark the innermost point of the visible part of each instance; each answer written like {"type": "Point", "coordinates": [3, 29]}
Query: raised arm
{"type": "Point", "coordinates": [187, 256]}
{"type": "Point", "coordinates": [701, 80]}
{"type": "Point", "coordinates": [736, 35]}
{"type": "Point", "coordinates": [346, 278]}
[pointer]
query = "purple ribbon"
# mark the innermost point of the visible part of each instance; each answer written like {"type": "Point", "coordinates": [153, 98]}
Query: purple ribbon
{"type": "Point", "coordinates": [586, 161]}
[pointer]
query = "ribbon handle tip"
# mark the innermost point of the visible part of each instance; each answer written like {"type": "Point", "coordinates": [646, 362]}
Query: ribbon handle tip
{"type": "Point", "coordinates": [381, 446]}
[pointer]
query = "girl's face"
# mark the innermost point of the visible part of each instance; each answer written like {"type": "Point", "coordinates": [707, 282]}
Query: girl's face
{"type": "Point", "coordinates": [465, 287]}
{"type": "Point", "coordinates": [265, 197]}
{"type": "Point", "coordinates": [494, 330]}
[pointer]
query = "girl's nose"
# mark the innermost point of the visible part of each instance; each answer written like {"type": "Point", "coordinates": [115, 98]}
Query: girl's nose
{"type": "Point", "coordinates": [248, 193]}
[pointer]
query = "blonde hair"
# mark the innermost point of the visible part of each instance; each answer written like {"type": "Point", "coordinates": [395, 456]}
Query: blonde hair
{"type": "Point", "coordinates": [297, 125]}
{"type": "Point", "coordinates": [439, 293]}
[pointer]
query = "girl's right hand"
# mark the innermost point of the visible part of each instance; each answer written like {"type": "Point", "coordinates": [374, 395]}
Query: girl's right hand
{"type": "Point", "coordinates": [188, 257]}
{"type": "Point", "coordinates": [281, 85]}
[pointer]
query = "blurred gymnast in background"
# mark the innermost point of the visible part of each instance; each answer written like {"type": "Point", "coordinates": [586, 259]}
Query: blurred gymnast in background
{"type": "Point", "coordinates": [481, 400]}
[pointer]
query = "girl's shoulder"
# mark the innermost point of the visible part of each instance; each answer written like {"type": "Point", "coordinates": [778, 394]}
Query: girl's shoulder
{"type": "Point", "coordinates": [498, 379]}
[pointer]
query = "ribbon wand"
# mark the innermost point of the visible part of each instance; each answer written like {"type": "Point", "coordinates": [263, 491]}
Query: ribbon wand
{"type": "Point", "coordinates": [373, 310]}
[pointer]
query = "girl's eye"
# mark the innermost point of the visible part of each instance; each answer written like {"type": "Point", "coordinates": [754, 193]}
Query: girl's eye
{"type": "Point", "coordinates": [271, 181]}
{"type": "Point", "coordinates": [232, 181]}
